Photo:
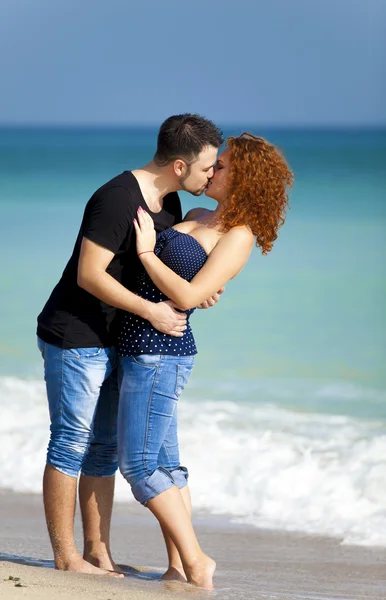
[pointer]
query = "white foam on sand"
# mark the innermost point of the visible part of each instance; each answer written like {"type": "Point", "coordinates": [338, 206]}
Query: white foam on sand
{"type": "Point", "coordinates": [267, 466]}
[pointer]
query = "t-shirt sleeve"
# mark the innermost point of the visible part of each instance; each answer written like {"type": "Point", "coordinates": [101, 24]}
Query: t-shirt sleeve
{"type": "Point", "coordinates": [110, 218]}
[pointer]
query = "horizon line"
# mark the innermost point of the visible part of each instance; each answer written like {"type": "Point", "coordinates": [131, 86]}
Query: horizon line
{"type": "Point", "coordinates": [225, 125]}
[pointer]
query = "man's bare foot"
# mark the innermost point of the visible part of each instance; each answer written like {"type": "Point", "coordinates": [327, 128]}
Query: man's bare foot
{"type": "Point", "coordinates": [174, 574]}
{"type": "Point", "coordinates": [104, 562]}
{"type": "Point", "coordinates": [200, 573]}
{"type": "Point", "coordinates": [79, 565]}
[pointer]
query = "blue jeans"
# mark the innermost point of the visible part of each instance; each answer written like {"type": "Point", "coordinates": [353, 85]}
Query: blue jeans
{"type": "Point", "coordinates": [148, 453]}
{"type": "Point", "coordinates": [82, 390]}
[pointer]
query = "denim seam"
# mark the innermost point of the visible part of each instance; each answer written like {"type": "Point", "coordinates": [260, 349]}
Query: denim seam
{"type": "Point", "coordinates": [110, 406]}
{"type": "Point", "coordinates": [97, 450]}
{"type": "Point", "coordinates": [179, 375]}
{"type": "Point", "coordinates": [61, 389]}
{"type": "Point", "coordinates": [111, 411]}
{"type": "Point", "coordinates": [93, 424]}
{"type": "Point", "coordinates": [177, 380]}
{"type": "Point", "coordinates": [166, 451]}
{"type": "Point", "coordinates": [167, 472]}
{"type": "Point", "coordinates": [78, 356]}
{"type": "Point", "coordinates": [146, 366]}
{"type": "Point", "coordinates": [148, 418]}
{"type": "Point", "coordinates": [88, 356]}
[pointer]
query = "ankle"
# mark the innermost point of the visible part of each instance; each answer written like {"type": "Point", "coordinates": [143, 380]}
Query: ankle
{"type": "Point", "coordinates": [96, 549]}
{"type": "Point", "coordinates": [64, 561]}
{"type": "Point", "coordinates": [174, 574]}
{"type": "Point", "coordinates": [195, 560]}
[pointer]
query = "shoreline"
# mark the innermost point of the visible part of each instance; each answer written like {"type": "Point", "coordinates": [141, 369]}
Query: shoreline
{"type": "Point", "coordinates": [251, 563]}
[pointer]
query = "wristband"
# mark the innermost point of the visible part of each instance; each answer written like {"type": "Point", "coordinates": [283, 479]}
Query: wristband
{"type": "Point", "coordinates": [145, 251]}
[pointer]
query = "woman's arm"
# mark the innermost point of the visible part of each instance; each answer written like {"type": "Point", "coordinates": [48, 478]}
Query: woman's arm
{"type": "Point", "coordinates": [224, 262]}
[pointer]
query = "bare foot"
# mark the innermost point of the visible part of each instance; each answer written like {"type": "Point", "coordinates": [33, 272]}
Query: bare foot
{"type": "Point", "coordinates": [200, 573]}
{"type": "Point", "coordinates": [103, 561]}
{"type": "Point", "coordinates": [174, 574]}
{"type": "Point", "coordinates": [79, 565]}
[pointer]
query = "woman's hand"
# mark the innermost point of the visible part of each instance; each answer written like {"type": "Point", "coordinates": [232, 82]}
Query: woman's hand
{"type": "Point", "coordinates": [144, 228]}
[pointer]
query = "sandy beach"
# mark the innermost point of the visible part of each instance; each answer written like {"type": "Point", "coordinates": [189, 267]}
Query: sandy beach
{"type": "Point", "coordinates": [251, 563]}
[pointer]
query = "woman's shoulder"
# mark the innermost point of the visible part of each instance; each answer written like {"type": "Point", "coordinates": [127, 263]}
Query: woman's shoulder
{"type": "Point", "coordinates": [240, 232]}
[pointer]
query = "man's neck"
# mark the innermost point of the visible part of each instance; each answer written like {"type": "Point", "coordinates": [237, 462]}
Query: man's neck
{"type": "Point", "coordinates": [154, 183]}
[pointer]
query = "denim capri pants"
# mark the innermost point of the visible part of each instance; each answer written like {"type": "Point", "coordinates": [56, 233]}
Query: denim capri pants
{"type": "Point", "coordinates": [148, 453]}
{"type": "Point", "coordinates": [82, 390]}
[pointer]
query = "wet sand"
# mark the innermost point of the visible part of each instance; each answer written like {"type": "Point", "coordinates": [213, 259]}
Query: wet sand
{"type": "Point", "coordinates": [251, 563]}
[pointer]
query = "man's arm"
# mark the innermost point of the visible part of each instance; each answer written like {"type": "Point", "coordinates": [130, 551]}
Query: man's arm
{"type": "Point", "coordinates": [92, 277]}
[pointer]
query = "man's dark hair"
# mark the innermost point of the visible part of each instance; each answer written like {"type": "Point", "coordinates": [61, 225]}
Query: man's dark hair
{"type": "Point", "coordinates": [185, 136]}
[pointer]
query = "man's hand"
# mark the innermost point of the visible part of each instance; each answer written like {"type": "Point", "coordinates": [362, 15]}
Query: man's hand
{"type": "Point", "coordinates": [212, 300]}
{"type": "Point", "coordinates": [164, 317]}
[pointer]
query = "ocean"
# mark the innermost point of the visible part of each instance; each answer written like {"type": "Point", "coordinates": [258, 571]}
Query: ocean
{"type": "Point", "coordinates": [282, 425]}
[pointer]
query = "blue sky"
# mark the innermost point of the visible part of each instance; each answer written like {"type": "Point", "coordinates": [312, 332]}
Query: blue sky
{"type": "Point", "coordinates": [277, 62]}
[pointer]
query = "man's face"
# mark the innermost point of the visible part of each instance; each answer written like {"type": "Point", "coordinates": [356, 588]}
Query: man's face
{"type": "Point", "coordinates": [199, 172]}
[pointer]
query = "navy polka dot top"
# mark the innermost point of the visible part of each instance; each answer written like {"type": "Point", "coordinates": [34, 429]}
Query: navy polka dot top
{"type": "Point", "coordinates": [185, 256]}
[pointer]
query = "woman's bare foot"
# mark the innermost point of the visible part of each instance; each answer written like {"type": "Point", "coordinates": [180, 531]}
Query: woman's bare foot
{"type": "Point", "coordinates": [174, 574]}
{"type": "Point", "coordinates": [200, 573]}
{"type": "Point", "coordinates": [79, 565]}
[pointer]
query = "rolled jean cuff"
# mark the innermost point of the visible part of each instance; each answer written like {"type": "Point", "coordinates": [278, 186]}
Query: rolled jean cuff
{"type": "Point", "coordinates": [149, 487]}
{"type": "Point", "coordinates": [70, 472]}
{"type": "Point", "coordinates": [100, 471]}
{"type": "Point", "coordinates": [180, 476]}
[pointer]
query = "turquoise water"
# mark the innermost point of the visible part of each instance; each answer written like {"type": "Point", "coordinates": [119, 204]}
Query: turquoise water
{"type": "Point", "coordinates": [283, 422]}
{"type": "Point", "coordinates": [313, 310]}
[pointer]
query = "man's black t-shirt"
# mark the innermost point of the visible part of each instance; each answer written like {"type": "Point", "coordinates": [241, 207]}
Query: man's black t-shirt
{"type": "Point", "coordinates": [73, 318]}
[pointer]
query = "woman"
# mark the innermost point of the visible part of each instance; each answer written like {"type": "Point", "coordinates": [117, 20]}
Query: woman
{"type": "Point", "coordinates": [187, 264]}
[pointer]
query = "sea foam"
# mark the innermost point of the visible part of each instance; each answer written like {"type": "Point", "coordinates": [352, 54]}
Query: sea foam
{"type": "Point", "coordinates": [262, 464]}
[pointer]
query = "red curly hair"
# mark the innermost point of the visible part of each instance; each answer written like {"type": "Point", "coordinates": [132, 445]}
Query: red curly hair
{"type": "Point", "coordinates": [257, 185]}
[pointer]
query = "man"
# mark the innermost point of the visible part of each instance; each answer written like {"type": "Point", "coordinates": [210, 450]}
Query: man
{"type": "Point", "coordinates": [76, 334]}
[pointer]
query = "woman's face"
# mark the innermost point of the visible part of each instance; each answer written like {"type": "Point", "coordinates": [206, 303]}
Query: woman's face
{"type": "Point", "coordinates": [217, 186]}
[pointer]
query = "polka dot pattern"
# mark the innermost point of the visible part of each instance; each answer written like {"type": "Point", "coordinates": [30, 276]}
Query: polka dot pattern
{"type": "Point", "coordinates": [185, 256]}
